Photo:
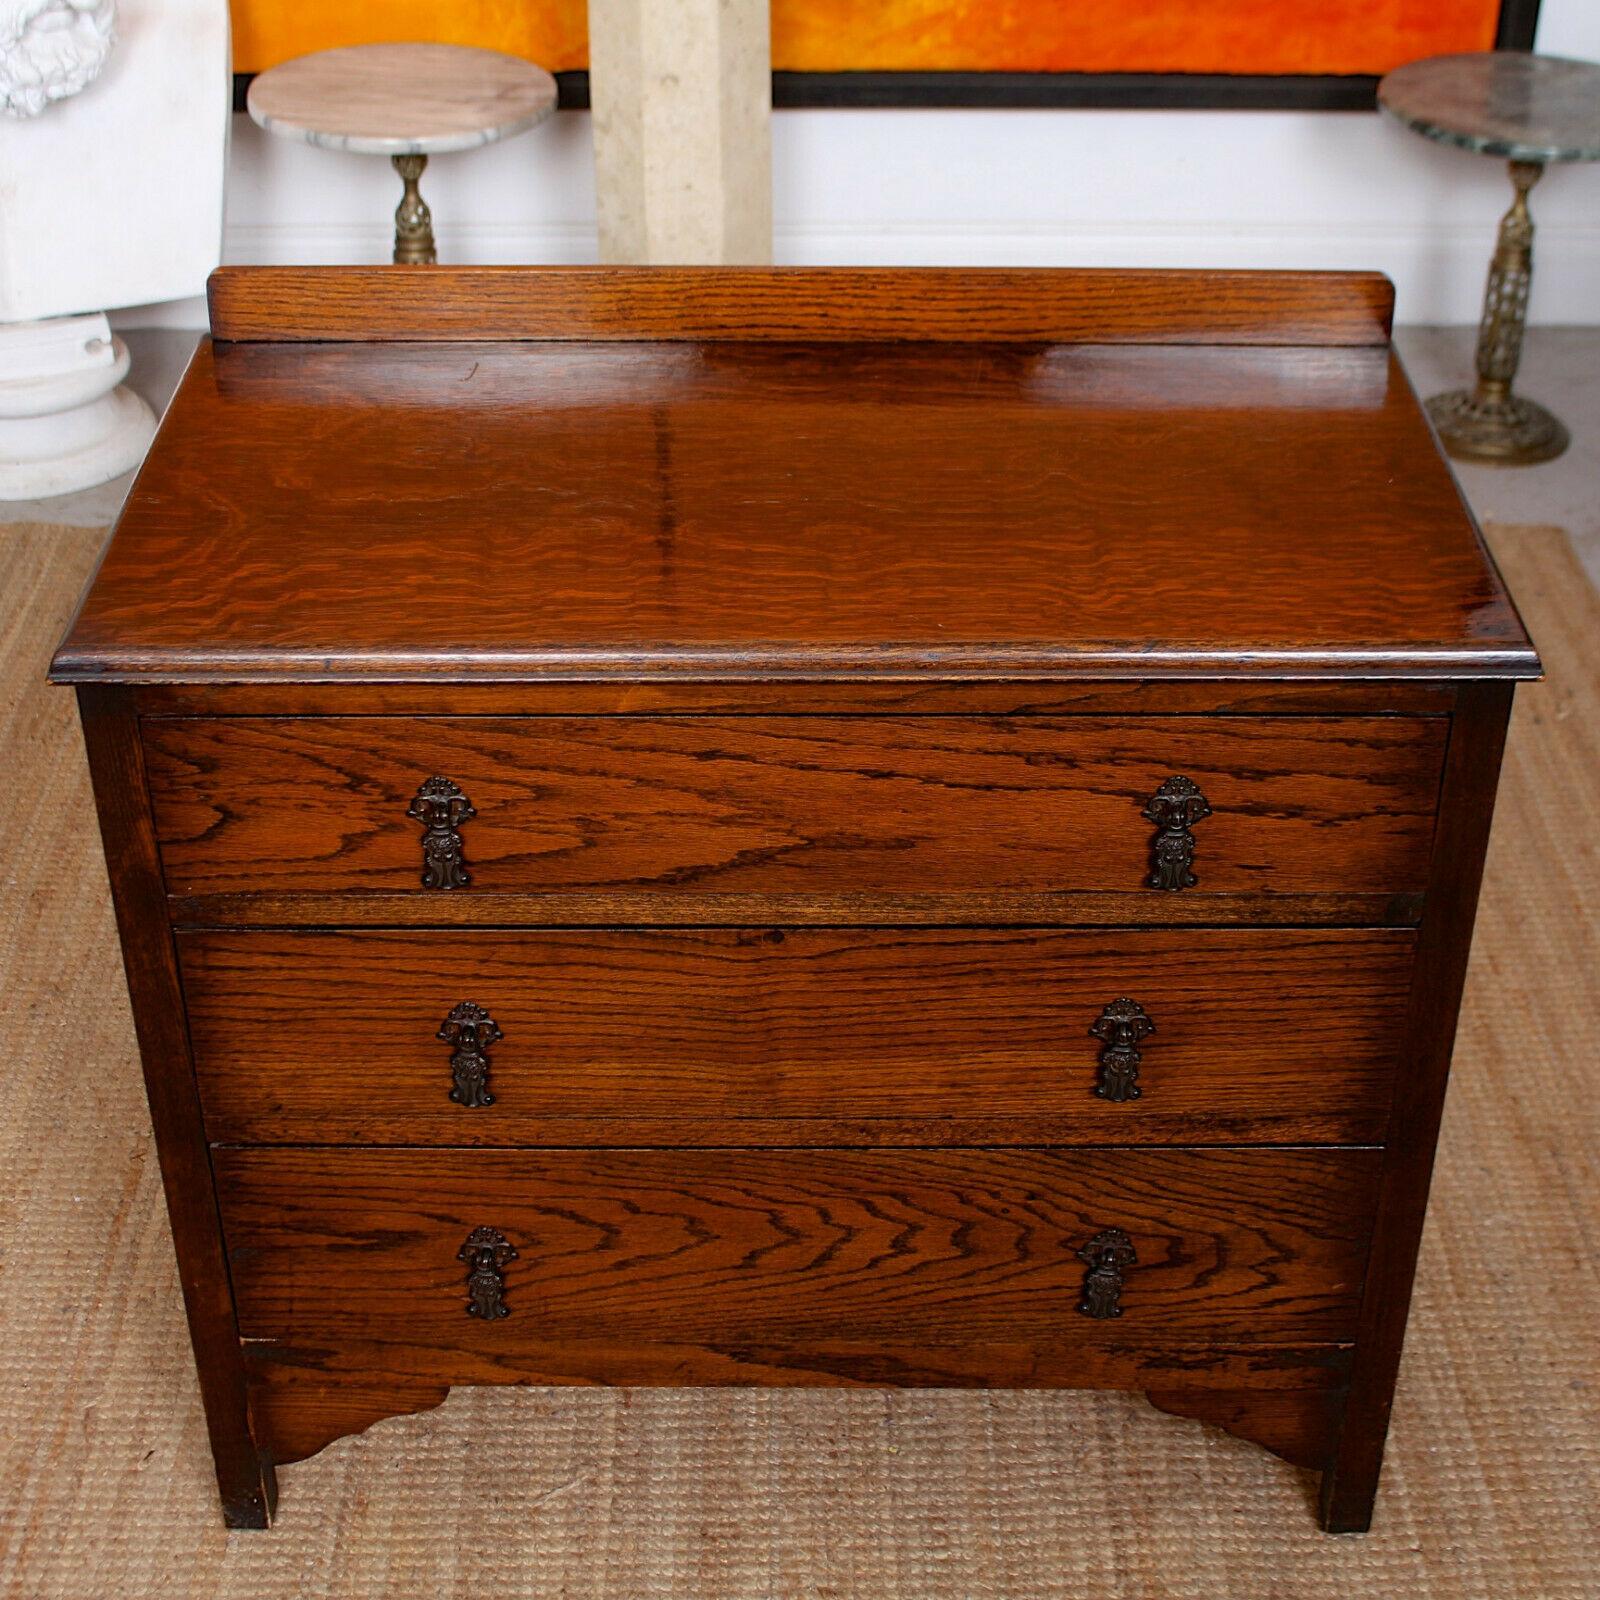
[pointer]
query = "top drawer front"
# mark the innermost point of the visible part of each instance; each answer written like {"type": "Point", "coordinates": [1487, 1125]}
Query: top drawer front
{"type": "Point", "coordinates": [679, 806]}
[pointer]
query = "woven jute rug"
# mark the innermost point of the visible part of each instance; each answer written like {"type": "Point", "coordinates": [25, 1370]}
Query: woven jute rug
{"type": "Point", "coordinates": [1493, 1479]}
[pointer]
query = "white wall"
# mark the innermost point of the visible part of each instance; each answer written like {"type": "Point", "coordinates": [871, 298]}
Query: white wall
{"type": "Point", "coordinates": [1048, 187]}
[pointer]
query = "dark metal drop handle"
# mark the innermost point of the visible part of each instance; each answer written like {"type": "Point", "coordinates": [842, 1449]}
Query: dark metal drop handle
{"type": "Point", "coordinates": [441, 808]}
{"type": "Point", "coordinates": [1107, 1256]}
{"type": "Point", "coordinates": [486, 1253]}
{"type": "Point", "coordinates": [1120, 1027]}
{"type": "Point", "coordinates": [1174, 809]}
{"type": "Point", "coordinates": [469, 1030]}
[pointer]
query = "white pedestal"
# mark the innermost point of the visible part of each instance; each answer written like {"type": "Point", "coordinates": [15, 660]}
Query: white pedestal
{"type": "Point", "coordinates": [113, 197]}
{"type": "Point", "coordinates": [65, 421]}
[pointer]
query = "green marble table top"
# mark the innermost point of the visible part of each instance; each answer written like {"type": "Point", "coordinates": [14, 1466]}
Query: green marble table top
{"type": "Point", "coordinates": [1501, 103]}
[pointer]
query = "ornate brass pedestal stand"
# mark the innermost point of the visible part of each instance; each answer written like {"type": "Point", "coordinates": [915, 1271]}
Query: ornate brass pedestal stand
{"type": "Point", "coordinates": [1489, 423]}
{"type": "Point", "coordinates": [1532, 110]}
{"type": "Point", "coordinates": [413, 221]}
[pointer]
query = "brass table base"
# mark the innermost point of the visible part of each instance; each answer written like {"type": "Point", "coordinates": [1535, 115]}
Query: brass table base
{"type": "Point", "coordinates": [413, 222]}
{"type": "Point", "coordinates": [1489, 423]}
{"type": "Point", "coordinates": [1497, 431]}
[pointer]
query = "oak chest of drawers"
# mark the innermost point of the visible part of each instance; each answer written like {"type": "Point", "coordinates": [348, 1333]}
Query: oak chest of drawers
{"type": "Point", "coordinates": [761, 827]}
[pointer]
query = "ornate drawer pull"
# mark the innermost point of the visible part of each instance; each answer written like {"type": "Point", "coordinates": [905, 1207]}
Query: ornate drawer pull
{"type": "Point", "coordinates": [470, 1030]}
{"type": "Point", "coordinates": [441, 808]}
{"type": "Point", "coordinates": [486, 1253]}
{"type": "Point", "coordinates": [1107, 1256]}
{"type": "Point", "coordinates": [1121, 1026]}
{"type": "Point", "coordinates": [1174, 809]}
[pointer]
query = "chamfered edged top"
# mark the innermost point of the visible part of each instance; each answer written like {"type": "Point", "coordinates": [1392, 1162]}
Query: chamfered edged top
{"type": "Point", "coordinates": [1132, 493]}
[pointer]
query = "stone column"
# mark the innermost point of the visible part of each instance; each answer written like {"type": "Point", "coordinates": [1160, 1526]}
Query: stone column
{"type": "Point", "coordinates": [682, 97]}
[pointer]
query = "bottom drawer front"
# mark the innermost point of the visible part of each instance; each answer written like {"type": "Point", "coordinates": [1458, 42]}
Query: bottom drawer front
{"type": "Point", "coordinates": [712, 1250]}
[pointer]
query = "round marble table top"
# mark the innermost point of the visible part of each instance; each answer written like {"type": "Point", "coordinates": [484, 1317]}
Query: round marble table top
{"type": "Point", "coordinates": [1501, 103]}
{"type": "Point", "coordinates": [402, 99]}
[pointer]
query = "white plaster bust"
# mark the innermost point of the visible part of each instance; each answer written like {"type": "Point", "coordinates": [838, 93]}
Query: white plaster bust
{"type": "Point", "coordinates": [50, 49]}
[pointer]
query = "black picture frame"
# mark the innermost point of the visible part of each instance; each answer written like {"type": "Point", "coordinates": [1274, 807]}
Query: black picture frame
{"type": "Point", "coordinates": [1114, 91]}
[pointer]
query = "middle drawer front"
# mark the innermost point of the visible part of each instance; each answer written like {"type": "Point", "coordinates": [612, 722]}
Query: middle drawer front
{"type": "Point", "coordinates": [798, 1036]}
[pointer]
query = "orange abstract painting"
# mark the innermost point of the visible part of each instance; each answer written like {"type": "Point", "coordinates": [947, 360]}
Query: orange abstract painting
{"type": "Point", "coordinates": [555, 33]}
{"type": "Point", "coordinates": [1237, 36]}
{"type": "Point", "coordinates": [1094, 36]}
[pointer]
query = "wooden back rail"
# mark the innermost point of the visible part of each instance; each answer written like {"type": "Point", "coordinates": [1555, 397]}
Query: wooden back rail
{"type": "Point", "coordinates": [806, 304]}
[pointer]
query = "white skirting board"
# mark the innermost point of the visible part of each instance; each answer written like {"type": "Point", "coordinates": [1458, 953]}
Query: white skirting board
{"type": "Point", "coordinates": [1240, 189]}
{"type": "Point", "coordinates": [1439, 273]}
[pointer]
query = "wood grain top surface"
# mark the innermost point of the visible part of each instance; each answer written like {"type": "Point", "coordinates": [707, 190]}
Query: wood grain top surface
{"type": "Point", "coordinates": [754, 508]}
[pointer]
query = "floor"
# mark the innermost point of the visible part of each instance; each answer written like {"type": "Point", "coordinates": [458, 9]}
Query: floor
{"type": "Point", "coordinates": [1492, 1488]}
{"type": "Point", "coordinates": [1560, 368]}
{"type": "Point", "coordinates": [1492, 1479]}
